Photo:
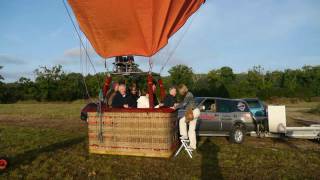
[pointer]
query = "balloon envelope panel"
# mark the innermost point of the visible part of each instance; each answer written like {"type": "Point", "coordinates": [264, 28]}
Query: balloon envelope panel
{"type": "Point", "coordinates": [131, 27]}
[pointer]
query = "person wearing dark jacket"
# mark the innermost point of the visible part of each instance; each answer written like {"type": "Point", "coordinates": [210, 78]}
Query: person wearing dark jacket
{"type": "Point", "coordinates": [120, 100]}
{"type": "Point", "coordinates": [133, 97]}
{"type": "Point", "coordinates": [170, 100]}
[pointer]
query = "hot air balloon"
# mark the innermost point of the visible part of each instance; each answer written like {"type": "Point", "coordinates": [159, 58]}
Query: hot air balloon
{"type": "Point", "coordinates": [118, 28]}
{"type": "Point", "coordinates": [131, 27]}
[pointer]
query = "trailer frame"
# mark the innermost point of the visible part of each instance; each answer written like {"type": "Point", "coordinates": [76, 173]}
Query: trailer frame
{"type": "Point", "coordinates": [277, 127]}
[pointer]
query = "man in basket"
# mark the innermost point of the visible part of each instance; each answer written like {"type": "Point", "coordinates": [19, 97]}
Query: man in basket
{"type": "Point", "coordinates": [191, 116]}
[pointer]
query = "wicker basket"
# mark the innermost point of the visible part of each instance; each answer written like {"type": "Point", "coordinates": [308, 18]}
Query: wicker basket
{"type": "Point", "coordinates": [137, 132]}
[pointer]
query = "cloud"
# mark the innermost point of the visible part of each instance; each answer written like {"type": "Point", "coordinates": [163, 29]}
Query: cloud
{"type": "Point", "coordinates": [75, 52]}
{"type": "Point", "coordinates": [15, 76]}
{"type": "Point", "coordinates": [73, 57]}
{"type": "Point", "coordinates": [65, 61]}
{"type": "Point", "coordinates": [8, 59]}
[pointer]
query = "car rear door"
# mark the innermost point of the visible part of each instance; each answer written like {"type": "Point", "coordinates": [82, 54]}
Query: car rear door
{"type": "Point", "coordinates": [209, 119]}
{"type": "Point", "coordinates": [225, 112]}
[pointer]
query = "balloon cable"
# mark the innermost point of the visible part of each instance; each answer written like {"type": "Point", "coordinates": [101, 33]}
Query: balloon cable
{"type": "Point", "coordinates": [78, 34]}
{"type": "Point", "coordinates": [83, 77]}
{"type": "Point", "coordinates": [150, 65]}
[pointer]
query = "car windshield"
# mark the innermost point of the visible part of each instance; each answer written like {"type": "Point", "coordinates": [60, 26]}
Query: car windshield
{"type": "Point", "coordinates": [253, 104]}
{"type": "Point", "coordinates": [198, 100]}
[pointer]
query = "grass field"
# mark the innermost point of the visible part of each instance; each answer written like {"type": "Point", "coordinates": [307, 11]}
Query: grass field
{"type": "Point", "coordinates": [48, 141]}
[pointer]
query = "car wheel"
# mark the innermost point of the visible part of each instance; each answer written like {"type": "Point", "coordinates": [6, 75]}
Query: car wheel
{"type": "Point", "coordinates": [237, 134]}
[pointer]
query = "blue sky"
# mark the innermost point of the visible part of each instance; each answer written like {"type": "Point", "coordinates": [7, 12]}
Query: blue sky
{"type": "Point", "coordinates": [276, 34]}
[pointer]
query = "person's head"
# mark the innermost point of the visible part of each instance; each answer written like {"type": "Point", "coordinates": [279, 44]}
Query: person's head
{"type": "Point", "coordinates": [122, 89]}
{"type": "Point", "coordinates": [116, 86]}
{"type": "Point", "coordinates": [154, 87]}
{"type": "Point", "coordinates": [144, 92]}
{"type": "Point", "coordinates": [130, 58]}
{"type": "Point", "coordinates": [173, 91]}
{"type": "Point", "coordinates": [133, 90]}
{"type": "Point", "coordinates": [213, 107]}
{"type": "Point", "coordinates": [183, 90]}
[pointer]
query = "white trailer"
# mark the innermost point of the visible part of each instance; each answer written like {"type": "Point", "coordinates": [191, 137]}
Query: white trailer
{"type": "Point", "coordinates": [277, 126]}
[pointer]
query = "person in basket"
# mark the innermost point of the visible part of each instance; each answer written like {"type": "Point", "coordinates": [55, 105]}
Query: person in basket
{"type": "Point", "coordinates": [120, 100]}
{"type": "Point", "coordinates": [112, 93]}
{"type": "Point", "coordinates": [170, 101]}
{"type": "Point", "coordinates": [133, 96]}
{"type": "Point", "coordinates": [143, 100]}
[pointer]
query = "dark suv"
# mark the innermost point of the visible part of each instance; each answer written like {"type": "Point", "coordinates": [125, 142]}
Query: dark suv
{"type": "Point", "coordinates": [223, 117]}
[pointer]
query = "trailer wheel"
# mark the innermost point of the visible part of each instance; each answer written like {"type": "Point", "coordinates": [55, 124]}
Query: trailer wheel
{"type": "Point", "coordinates": [237, 134]}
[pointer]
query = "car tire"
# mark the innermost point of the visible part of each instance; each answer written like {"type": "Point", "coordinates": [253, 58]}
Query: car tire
{"type": "Point", "coordinates": [237, 134]}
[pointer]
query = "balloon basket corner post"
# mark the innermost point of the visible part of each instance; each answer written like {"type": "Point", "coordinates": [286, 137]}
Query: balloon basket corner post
{"type": "Point", "coordinates": [149, 133]}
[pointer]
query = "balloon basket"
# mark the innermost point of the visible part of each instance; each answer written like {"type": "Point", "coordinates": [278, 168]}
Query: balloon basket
{"type": "Point", "coordinates": [133, 132]}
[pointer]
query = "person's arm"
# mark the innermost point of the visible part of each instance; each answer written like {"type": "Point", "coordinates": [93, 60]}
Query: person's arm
{"type": "Point", "coordinates": [110, 98]}
{"type": "Point", "coordinates": [166, 102]}
{"type": "Point", "coordinates": [188, 99]}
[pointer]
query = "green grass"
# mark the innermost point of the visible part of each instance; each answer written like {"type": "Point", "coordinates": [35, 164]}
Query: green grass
{"type": "Point", "coordinates": [42, 110]}
{"type": "Point", "coordinates": [48, 141]}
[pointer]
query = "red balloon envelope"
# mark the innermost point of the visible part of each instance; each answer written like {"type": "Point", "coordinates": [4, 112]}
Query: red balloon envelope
{"type": "Point", "coordinates": [131, 27]}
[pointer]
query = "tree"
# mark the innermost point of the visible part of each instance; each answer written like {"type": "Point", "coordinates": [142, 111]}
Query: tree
{"type": "Point", "coordinates": [201, 85]}
{"type": "Point", "coordinates": [2, 88]}
{"type": "Point", "coordinates": [70, 87]}
{"type": "Point", "coordinates": [226, 75]}
{"type": "Point", "coordinates": [47, 82]}
{"type": "Point", "coordinates": [26, 89]}
{"type": "Point", "coordinates": [53, 84]}
{"type": "Point", "coordinates": [182, 74]}
{"type": "Point", "coordinates": [255, 79]}
{"type": "Point", "coordinates": [1, 78]}
{"type": "Point", "coordinates": [221, 81]}
{"type": "Point", "coordinates": [290, 82]}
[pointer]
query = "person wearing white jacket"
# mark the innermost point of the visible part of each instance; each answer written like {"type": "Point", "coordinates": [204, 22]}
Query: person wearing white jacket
{"type": "Point", "coordinates": [143, 100]}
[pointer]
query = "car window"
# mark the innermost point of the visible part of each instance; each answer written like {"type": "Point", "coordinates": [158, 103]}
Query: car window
{"type": "Point", "coordinates": [198, 100]}
{"type": "Point", "coordinates": [253, 104]}
{"type": "Point", "coordinates": [240, 106]}
{"type": "Point", "coordinates": [209, 105]}
{"type": "Point", "coordinates": [224, 106]}
{"type": "Point", "coordinates": [227, 106]}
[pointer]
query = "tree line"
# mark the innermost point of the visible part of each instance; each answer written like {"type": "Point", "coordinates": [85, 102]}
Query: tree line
{"type": "Point", "coordinates": [53, 84]}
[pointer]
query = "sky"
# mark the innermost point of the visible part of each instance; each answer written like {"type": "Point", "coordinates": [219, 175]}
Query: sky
{"type": "Point", "coordinates": [276, 34]}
